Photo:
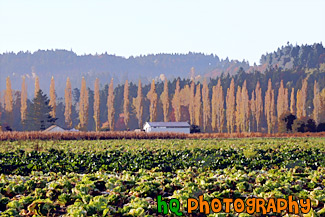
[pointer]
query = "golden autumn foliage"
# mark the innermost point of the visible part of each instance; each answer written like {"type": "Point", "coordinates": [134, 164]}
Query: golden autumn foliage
{"type": "Point", "coordinates": [83, 106]}
{"type": "Point", "coordinates": [8, 102]}
{"type": "Point", "coordinates": [259, 105]}
{"type": "Point", "coordinates": [52, 98]}
{"type": "Point", "coordinates": [252, 104]}
{"type": "Point", "coordinates": [220, 107]}
{"type": "Point", "coordinates": [206, 105]}
{"type": "Point", "coordinates": [23, 101]}
{"type": "Point", "coordinates": [191, 102]}
{"type": "Point", "coordinates": [36, 86]}
{"type": "Point", "coordinates": [176, 102]}
{"type": "Point", "coordinates": [238, 112]}
{"type": "Point", "coordinates": [292, 102]}
{"type": "Point", "coordinates": [165, 100]}
{"type": "Point", "coordinates": [96, 105]}
{"type": "Point", "coordinates": [282, 101]}
{"type": "Point", "coordinates": [126, 104]}
{"type": "Point", "coordinates": [269, 108]}
{"type": "Point", "coordinates": [153, 98]}
{"type": "Point", "coordinates": [301, 100]}
{"type": "Point", "coordinates": [197, 106]}
{"type": "Point", "coordinates": [110, 106]}
{"type": "Point", "coordinates": [230, 107]}
{"type": "Point", "coordinates": [245, 110]}
{"type": "Point", "coordinates": [317, 104]}
{"type": "Point", "coordinates": [68, 104]}
{"type": "Point", "coordinates": [138, 105]}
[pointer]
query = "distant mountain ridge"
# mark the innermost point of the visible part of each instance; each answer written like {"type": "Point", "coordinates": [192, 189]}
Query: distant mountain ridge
{"type": "Point", "coordinates": [63, 63]}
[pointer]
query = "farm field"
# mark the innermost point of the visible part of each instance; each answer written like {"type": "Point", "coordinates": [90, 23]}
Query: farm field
{"type": "Point", "coordinates": [124, 177]}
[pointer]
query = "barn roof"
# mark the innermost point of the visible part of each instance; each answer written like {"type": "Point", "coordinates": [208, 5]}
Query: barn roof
{"type": "Point", "coordinates": [52, 127]}
{"type": "Point", "coordinates": [168, 124]}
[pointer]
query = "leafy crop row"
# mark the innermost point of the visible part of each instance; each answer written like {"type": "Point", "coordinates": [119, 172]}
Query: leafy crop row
{"type": "Point", "coordinates": [134, 193]}
{"type": "Point", "coordinates": [22, 163]}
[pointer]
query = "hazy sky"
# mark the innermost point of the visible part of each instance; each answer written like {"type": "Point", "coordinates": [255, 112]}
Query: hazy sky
{"type": "Point", "coordinates": [239, 29]}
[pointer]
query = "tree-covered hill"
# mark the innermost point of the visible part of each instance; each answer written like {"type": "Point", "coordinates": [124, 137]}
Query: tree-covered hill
{"type": "Point", "coordinates": [63, 63]}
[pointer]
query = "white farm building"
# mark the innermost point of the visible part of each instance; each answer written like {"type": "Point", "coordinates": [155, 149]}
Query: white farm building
{"type": "Point", "coordinates": [174, 127]}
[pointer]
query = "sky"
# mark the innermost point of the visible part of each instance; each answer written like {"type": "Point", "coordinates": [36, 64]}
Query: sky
{"type": "Point", "coordinates": [235, 29]}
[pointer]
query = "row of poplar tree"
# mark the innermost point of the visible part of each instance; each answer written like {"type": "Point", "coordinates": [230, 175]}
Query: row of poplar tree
{"type": "Point", "coordinates": [210, 108]}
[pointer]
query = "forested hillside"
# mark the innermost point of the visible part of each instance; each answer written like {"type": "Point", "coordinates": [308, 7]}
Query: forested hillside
{"type": "Point", "coordinates": [63, 63]}
{"type": "Point", "coordinates": [289, 81]}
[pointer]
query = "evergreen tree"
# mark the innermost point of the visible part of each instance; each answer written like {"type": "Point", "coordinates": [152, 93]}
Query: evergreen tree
{"type": "Point", "coordinates": [38, 115]}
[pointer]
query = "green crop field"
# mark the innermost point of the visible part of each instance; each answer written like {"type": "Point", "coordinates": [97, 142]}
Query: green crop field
{"type": "Point", "coordinates": [124, 177]}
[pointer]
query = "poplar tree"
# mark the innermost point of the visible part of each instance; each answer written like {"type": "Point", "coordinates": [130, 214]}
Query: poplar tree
{"type": "Point", "coordinates": [303, 98]}
{"type": "Point", "coordinates": [165, 100]}
{"type": "Point", "coordinates": [282, 102]}
{"type": "Point", "coordinates": [220, 106]}
{"type": "Point", "coordinates": [8, 103]}
{"type": "Point", "coordinates": [292, 102]}
{"type": "Point", "coordinates": [23, 102]}
{"type": "Point", "coordinates": [52, 98]}
{"type": "Point", "coordinates": [317, 103]}
{"type": "Point", "coordinates": [96, 105]}
{"type": "Point", "coordinates": [253, 110]}
{"type": "Point", "coordinates": [238, 113]}
{"type": "Point", "coordinates": [36, 86]}
{"type": "Point", "coordinates": [83, 106]}
{"type": "Point", "coordinates": [230, 104]}
{"type": "Point", "coordinates": [269, 107]}
{"type": "Point", "coordinates": [299, 104]}
{"type": "Point", "coordinates": [110, 106]}
{"type": "Point", "coordinates": [138, 106]}
{"type": "Point", "coordinates": [191, 102]}
{"type": "Point", "coordinates": [245, 108]}
{"type": "Point", "coordinates": [197, 105]}
{"type": "Point", "coordinates": [176, 102]}
{"type": "Point", "coordinates": [152, 96]}
{"type": "Point", "coordinates": [68, 104]}
{"type": "Point", "coordinates": [126, 104]}
{"type": "Point", "coordinates": [206, 105]}
{"type": "Point", "coordinates": [259, 105]}
{"type": "Point", "coordinates": [214, 108]}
